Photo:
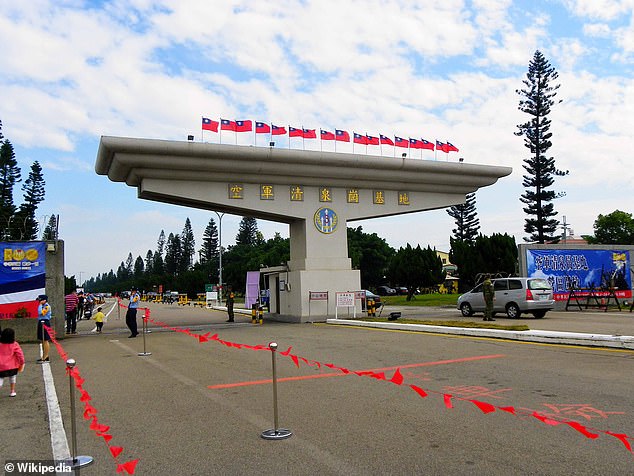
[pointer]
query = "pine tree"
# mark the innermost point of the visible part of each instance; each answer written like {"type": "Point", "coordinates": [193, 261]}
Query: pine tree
{"type": "Point", "coordinates": [466, 218]}
{"type": "Point", "coordinates": [33, 189]}
{"type": "Point", "coordinates": [172, 254]}
{"type": "Point", "coordinates": [139, 266]}
{"type": "Point", "coordinates": [209, 249]}
{"type": "Point", "coordinates": [536, 101]}
{"type": "Point", "coordinates": [149, 262]}
{"type": "Point", "coordinates": [247, 232]}
{"type": "Point", "coordinates": [50, 232]}
{"type": "Point", "coordinates": [159, 265]}
{"type": "Point", "coordinates": [188, 246]}
{"type": "Point", "coordinates": [9, 176]}
{"type": "Point", "coordinates": [129, 265]}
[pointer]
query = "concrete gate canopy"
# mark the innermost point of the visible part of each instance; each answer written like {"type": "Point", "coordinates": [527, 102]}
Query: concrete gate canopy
{"type": "Point", "coordinates": [315, 192]}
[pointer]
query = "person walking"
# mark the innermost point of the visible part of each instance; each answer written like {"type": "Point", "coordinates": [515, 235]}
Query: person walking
{"type": "Point", "coordinates": [11, 358]}
{"type": "Point", "coordinates": [99, 318]}
{"type": "Point", "coordinates": [44, 314]}
{"type": "Point", "coordinates": [489, 296]}
{"type": "Point", "coordinates": [230, 300]}
{"type": "Point", "coordinates": [130, 315]}
{"type": "Point", "coordinates": [71, 302]}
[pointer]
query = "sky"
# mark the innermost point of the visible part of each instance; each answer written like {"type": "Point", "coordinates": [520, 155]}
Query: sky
{"type": "Point", "coordinates": [72, 71]}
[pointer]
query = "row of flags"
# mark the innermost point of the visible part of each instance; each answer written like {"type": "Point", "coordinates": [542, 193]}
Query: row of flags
{"type": "Point", "coordinates": [337, 135]}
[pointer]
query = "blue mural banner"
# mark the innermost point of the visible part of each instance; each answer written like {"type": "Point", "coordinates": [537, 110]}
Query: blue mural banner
{"type": "Point", "coordinates": [582, 270]}
{"type": "Point", "coordinates": [22, 276]}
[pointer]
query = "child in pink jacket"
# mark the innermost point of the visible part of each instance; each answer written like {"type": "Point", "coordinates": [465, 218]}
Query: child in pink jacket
{"type": "Point", "coordinates": [11, 358]}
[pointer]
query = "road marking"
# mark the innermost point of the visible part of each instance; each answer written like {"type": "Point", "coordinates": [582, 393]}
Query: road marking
{"type": "Point", "coordinates": [340, 374]}
{"type": "Point", "coordinates": [59, 442]}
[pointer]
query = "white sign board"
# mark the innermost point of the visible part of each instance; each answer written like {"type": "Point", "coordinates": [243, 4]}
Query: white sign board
{"type": "Point", "coordinates": [345, 300]}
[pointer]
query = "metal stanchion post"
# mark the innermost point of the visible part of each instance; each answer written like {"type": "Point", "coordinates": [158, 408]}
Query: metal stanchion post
{"type": "Point", "coordinates": [275, 433]}
{"type": "Point", "coordinates": [75, 461]}
{"type": "Point", "coordinates": [145, 331]}
{"type": "Point", "coordinates": [118, 310]}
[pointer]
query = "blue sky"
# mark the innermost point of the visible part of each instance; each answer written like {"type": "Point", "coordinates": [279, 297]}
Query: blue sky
{"type": "Point", "coordinates": [72, 71]}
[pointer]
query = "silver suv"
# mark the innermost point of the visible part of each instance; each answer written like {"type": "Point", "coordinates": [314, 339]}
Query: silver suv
{"type": "Point", "coordinates": [512, 296]}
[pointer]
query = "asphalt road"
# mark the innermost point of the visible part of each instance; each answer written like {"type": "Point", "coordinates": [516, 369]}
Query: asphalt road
{"type": "Point", "coordinates": [161, 409]}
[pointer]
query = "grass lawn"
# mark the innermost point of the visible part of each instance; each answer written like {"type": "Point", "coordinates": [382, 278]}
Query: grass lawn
{"type": "Point", "coordinates": [422, 300]}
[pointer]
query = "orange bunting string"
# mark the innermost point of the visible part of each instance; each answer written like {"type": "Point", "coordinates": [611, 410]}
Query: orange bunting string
{"type": "Point", "coordinates": [398, 379]}
{"type": "Point", "coordinates": [90, 411]}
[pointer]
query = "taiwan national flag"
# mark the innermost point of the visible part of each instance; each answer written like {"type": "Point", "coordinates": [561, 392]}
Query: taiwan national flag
{"type": "Point", "coordinates": [325, 135]}
{"type": "Point", "coordinates": [400, 142]}
{"type": "Point", "coordinates": [427, 145]}
{"type": "Point", "coordinates": [441, 146]}
{"type": "Point", "coordinates": [386, 140]}
{"type": "Point", "coordinates": [294, 132]}
{"type": "Point", "coordinates": [359, 139]}
{"type": "Point", "coordinates": [262, 128]}
{"type": "Point", "coordinates": [342, 136]}
{"type": "Point", "coordinates": [451, 147]}
{"type": "Point", "coordinates": [415, 144]}
{"type": "Point", "coordinates": [372, 140]}
{"type": "Point", "coordinates": [309, 134]}
{"type": "Point", "coordinates": [227, 125]}
{"type": "Point", "coordinates": [209, 125]}
{"type": "Point", "coordinates": [244, 126]}
{"type": "Point", "coordinates": [277, 131]}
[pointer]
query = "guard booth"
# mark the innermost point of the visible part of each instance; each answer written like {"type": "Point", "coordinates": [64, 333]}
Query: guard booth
{"type": "Point", "coordinates": [275, 280]}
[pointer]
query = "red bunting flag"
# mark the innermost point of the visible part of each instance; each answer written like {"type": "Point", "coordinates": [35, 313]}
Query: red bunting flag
{"type": "Point", "coordinates": [447, 399]}
{"type": "Point", "coordinates": [581, 429]}
{"type": "Point", "coordinates": [422, 393]}
{"type": "Point", "coordinates": [484, 406]}
{"type": "Point", "coordinates": [128, 466]}
{"type": "Point", "coordinates": [116, 450]}
{"type": "Point", "coordinates": [397, 378]}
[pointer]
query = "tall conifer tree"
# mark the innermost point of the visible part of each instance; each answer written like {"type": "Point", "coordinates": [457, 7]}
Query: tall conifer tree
{"type": "Point", "coordinates": [536, 101]}
{"type": "Point", "coordinates": [466, 218]}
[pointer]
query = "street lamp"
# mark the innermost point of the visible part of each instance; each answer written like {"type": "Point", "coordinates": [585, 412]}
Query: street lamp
{"type": "Point", "coordinates": [220, 215]}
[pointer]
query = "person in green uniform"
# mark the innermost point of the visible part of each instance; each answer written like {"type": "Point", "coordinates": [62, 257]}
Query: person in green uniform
{"type": "Point", "coordinates": [489, 297]}
{"type": "Point", "coordinates": [230, 299]}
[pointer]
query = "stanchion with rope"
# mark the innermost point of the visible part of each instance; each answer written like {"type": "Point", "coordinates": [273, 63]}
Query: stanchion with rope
{"type": "Point", "coordinates": [75, 461]}
{"type": "Point", "coordinates": [275, 433]}
{"type": "Point", "coordinates": [145, 331]}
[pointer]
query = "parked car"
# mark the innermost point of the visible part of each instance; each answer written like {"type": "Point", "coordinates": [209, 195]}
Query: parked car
{"type": "Point", "coordinates": [513, 296]}
{"type": "Point", "coordinates": [402, 291]}
{"type": "Point", "coordinates": [371, 295]}
{"type": "Point", "coordinates": [385, 291]}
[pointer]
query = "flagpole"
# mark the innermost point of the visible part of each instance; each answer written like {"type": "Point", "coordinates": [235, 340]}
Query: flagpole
{"type": "Point", "coordinates": [289, 137]}
{"type": "Point", "coordinates": [235, 130]}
